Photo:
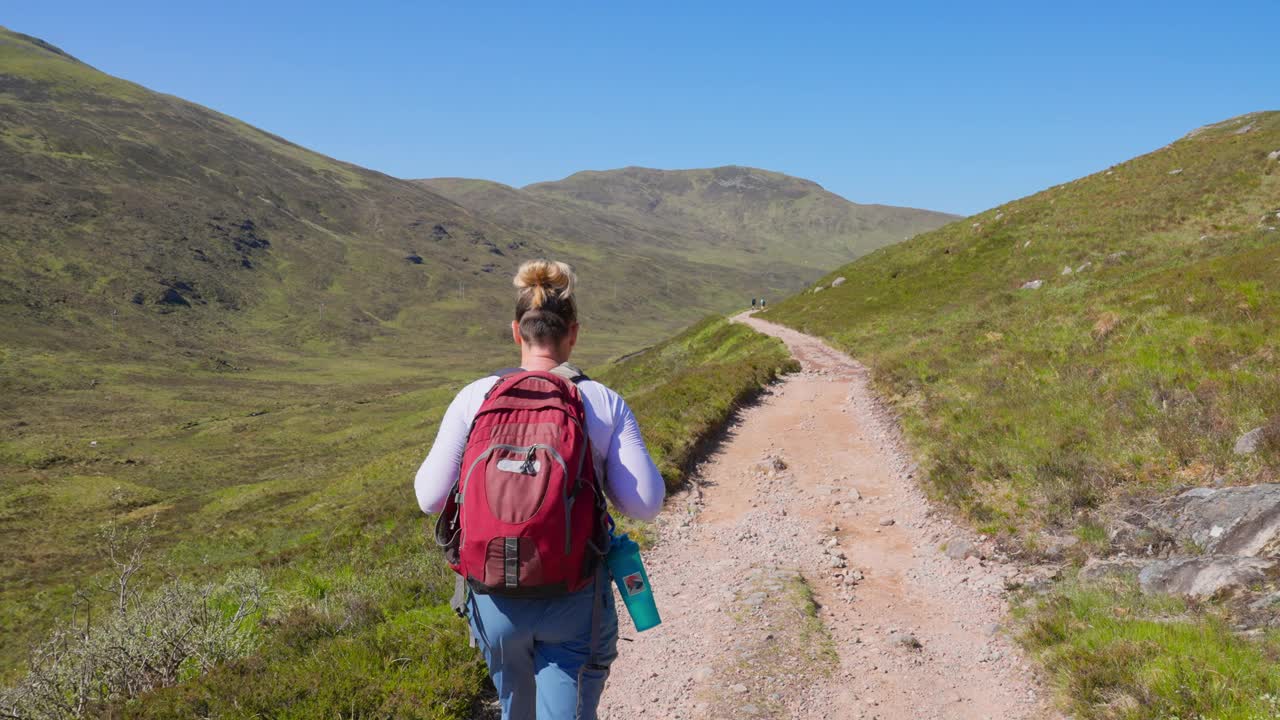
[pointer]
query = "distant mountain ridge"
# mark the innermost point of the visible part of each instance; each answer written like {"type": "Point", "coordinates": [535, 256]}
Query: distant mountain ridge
{"type": "Point", "coordinates": [122, 202]}
{"type": "Point", "coordinates": [785, 221]}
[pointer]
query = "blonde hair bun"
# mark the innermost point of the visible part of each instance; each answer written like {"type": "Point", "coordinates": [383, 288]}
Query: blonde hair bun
{"type": "Point", "coordinates": [542, 279]}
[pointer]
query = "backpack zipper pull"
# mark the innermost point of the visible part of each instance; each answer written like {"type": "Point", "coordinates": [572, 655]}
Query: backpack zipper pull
{"type": "Point", "coordinates": [528, 467]}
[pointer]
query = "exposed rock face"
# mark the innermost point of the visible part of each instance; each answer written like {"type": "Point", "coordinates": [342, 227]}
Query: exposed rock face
{"type": "Point", "coordinates": [1207, 542]}
{"type": "Point", "coordinates": [1032, 285]}
{"type": "Point", "coordinates": [1223, 521]}
{"type": "Point", "coordinates": [1249, 442]}
{"type": "Point", "coordinates": [1206, 576]}
{"type": "Point", "coordinates": [838, 282]}
{"type": "Point", "coordinates": [1057, 546]}
{"type": "Point", "coordinates": [171, 296]}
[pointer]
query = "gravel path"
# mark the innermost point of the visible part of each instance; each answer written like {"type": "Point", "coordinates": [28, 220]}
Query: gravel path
{"type": "Point", "coordinates": [812, 486]}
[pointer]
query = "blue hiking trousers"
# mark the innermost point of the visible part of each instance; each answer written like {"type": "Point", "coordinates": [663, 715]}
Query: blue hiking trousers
{"type": "Point", "coordinates": [538, 651]}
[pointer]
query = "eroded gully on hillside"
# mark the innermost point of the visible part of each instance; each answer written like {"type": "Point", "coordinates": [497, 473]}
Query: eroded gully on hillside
{"type": "Point", "coordinates": [811, 486]}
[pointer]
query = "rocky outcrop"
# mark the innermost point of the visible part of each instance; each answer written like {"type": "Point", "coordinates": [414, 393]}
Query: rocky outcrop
{"type": "Point", "coordinates": [171, 296]}
{"type": "Point", "coordinates": [1222, 521]}
{"type": "Point", "coordinates": [1248, 443]}
{"type": "Point", "coordinates": [1056, 547]}
{"type": "Point", "coordinates": [1205, 542]}
{"type": "Point", "coordinates": [1209, 576]}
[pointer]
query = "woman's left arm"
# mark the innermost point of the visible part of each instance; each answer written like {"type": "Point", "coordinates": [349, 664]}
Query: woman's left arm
{"type": "Point", "coordinates": [632, 481]}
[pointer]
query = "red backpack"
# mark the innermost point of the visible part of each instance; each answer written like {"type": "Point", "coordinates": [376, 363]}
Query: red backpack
{"type": "Point", "coordinates": [527, 515]}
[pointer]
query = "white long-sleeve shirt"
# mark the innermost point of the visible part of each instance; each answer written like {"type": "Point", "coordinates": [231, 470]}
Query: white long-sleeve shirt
{"type": "Point", "coordinates": [632, 482]}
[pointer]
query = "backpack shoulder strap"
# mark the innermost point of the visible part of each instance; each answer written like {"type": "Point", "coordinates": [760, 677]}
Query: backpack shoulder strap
{"type": "Point", "coordinates": [501, 374]}
{"type": "Point", "coordinates": [563, 370]}
{"type": "Point", "coordinates": [569, 372]}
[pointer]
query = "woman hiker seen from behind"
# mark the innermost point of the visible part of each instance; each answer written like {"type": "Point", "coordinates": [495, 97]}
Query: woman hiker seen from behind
{"type": "Point", "coordinates": [519, 473]}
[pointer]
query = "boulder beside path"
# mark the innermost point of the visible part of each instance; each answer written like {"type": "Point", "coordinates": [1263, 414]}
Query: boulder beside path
{"type": "Point", "coordinates": [1205, 542]}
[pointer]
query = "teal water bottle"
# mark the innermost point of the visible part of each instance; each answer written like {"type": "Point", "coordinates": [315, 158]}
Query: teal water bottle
{"type": "Point", "coordinates": [633, 584]}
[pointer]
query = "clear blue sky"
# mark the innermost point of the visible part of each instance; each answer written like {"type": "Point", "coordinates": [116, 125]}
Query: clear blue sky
{"type": "Point", "coordinates": [954, 106]}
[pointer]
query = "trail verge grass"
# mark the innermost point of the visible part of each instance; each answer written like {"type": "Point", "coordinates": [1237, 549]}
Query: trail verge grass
{"type": "Point", "coordinates": [1113, 653]}
{"type": "Point", "coordinates": [685, 389]}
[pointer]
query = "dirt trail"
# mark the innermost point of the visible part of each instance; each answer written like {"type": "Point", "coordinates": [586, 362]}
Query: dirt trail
{"type": "Point", "coordinates": [917, 633]}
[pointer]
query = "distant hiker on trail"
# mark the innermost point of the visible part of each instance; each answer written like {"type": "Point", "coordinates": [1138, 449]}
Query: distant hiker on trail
{"type": "Point", "coordinates": [762, 303]}
{"type": "Point", "coordinates": [753, 303]}
{"type": "Point", "coordinates": [520, 488]}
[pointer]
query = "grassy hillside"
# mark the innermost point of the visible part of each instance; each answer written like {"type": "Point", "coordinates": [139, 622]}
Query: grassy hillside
{"type": "Point", "coordinates": [134, 218]}
{"type": "Point", "coordinates": [248, 342]}
{"type": "Point", "coordinates": [206, 324]}
{"type": "Point", "coordinates": [356, 622]}
{"type": "Point", "coordinates": [1149, 346]}
{"type": "Point", "coordinates": [782, 230]}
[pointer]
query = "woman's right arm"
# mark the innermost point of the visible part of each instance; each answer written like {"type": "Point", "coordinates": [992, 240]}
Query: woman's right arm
{"type": "Point", "coordinates": [438, 472]}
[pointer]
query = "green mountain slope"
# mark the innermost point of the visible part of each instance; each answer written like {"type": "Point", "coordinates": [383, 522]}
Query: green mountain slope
{"type": "Point", "coordinates": [249, 341]}
{"type": "Point", "coordinates": [125, 205]}
{"type": "Point", "coordinates": [1149, 346]}
{"type": "Point", "coordinates": [122, 199]}
{"type": "Point", "coordinates": [783, 228]}
{"type": "Point", "coordinates": [206, 324]}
